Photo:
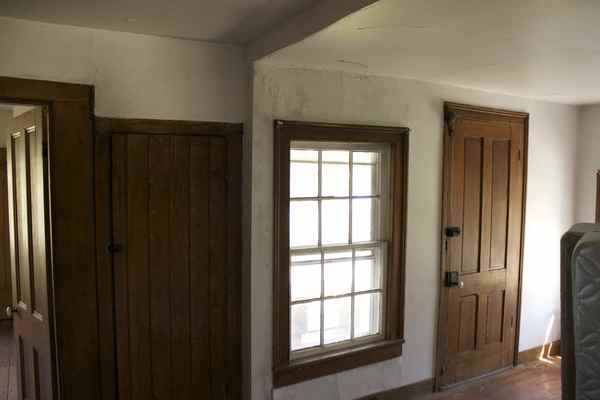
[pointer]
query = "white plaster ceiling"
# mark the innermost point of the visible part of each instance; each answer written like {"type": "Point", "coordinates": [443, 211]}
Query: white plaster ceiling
{"type": "Point", "coordinates": [544, 49]}
{"type": "Point", "coordinates": [221, 21]}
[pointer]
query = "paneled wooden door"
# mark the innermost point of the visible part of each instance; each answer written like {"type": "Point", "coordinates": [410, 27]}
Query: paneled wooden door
{"type": "Point", "coordinates": [176, 266]}
{"type": "Point", "coordinates": [5, 274]}
{"type": "Point", "coordinates": [29, 244]}
{"type": "Point", "coordinates": [483, 217]}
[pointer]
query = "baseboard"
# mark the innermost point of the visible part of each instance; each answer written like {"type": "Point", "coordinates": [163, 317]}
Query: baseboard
{"type": "Point", "coordinates": [410, 392]}
{"type": "Point", "coordinates": [540, 352]}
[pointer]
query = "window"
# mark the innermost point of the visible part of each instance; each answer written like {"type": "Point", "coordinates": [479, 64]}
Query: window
{"type": "Point", "coordinates": [338, 243]}
{"type": "Point", "coordinates": [340, 211]}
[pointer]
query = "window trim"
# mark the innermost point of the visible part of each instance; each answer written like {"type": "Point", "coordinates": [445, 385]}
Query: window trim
{"type": "Point", "coordinates": [287, 371]}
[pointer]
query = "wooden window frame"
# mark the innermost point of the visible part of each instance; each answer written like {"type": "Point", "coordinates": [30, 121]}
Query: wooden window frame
{"type": "Point", "coordinates": [287, 371]}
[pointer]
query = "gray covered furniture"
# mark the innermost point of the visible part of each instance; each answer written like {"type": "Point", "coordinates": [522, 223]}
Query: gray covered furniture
{"type": "Point", "coordinates": [580, 316]}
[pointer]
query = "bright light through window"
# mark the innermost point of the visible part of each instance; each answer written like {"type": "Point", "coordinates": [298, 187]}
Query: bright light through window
{"type": "Point", "coordinates": [338, 201]}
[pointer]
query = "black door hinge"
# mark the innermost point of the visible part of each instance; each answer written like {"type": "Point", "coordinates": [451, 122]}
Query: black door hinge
{"type": "Point", "coordinates": [45, 150]}
{"type": "Point", "coordinates": [114, 248]}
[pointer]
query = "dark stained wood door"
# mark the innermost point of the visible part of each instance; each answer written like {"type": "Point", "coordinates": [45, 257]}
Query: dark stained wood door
{"type": "Point", "coordinates": [5, 280]}
{"type": "Point", "coordinates": [29, 244]}
{"type": "Point", "coordinates": [176, 267]}
{"type": "Point", "coordinates": [483, 199]}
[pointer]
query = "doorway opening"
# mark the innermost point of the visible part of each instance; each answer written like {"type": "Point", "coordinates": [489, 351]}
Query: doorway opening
{"type": "Point", "coordinates": [22, 132]}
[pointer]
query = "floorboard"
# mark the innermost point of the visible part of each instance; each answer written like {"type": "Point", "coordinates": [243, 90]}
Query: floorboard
{"type": "Point", "coordinates": [539, 380]}
{"type": "Point", "coordinates": [8, 376]}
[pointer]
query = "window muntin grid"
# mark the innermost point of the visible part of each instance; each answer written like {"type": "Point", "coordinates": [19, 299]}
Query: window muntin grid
{"type": "Point", "coordinates": [355, 258]}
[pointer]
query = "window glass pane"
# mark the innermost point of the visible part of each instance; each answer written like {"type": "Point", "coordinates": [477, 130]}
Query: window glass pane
{"type": "Point", "coordinates": [364, 157]}
{"type": "Point", "coordinates": [367, 275]}
{"type": "Point", "coordinates": [304, 179]}
{"type": "Point", "coordinates": [338, 278]}
{"type": "Point", "coordinates": [305, 281]}
{"type": "Point", "coordinates": [337, 320]}
{"type": "Point", "coordinates": [304, 155]}
{"type": "Point", "coordinates": [364, 214]}
{"type": "Point", "coordinates": [335, 180]}
{"type": "Point", "coordinates": [363, 180]}
{"type": "Point", "coordinates": [336, 156]}
{"type": "Point", "coordinates": [304, 228]}
{"type": "Point", "coordinates": [334, 221]}
{"type": "Point", "coordinates": [366, 314]}
{"type": "Point", "coordinates": [306, 325]}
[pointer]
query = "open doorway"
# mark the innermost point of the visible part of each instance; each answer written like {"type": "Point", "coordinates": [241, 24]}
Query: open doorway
{"type": "Point", "coordinates": [22, 246]}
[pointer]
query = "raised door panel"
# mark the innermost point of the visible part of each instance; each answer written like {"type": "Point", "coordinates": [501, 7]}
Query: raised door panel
{"type": "Point", "coordinates": [500, 164]}
{"type": "Point", "coordinates": [472, 197]}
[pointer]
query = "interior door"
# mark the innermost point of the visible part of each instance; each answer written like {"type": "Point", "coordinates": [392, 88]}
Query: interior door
{"type": "Point", "coordinates": [28, 215]}
{"type": "Point", "coordinates": [176, 266]}
{"type": "Point", "coordinates": [5, 280]}
{"type": "Point", "coordinates": [483, 200]}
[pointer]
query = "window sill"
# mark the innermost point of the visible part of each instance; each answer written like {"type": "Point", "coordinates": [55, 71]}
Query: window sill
{"type": "Point", "coordinates": [314, 367]}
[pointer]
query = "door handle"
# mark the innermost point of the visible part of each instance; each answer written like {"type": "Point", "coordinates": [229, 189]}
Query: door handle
{"type": "Point", "coordinates": [453, 280]}
{"type": "Point", "coordinates": [10, 310]}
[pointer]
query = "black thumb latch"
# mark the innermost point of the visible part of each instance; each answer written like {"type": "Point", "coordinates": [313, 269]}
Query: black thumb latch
{"type": "Point", "coordinates": [452, 231]}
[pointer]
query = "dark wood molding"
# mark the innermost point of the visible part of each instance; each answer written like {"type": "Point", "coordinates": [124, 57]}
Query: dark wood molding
{"type": "Point", "coordinates": [167, 127]}
{"type": "Point", "coordinates": [598, 197]}
{"type": "Point", "coordinates": [29, 91]}
{"type": "Point", "coordinates": [286, 371]}
{"type": "Point", "coordinates": [451, 112]}
{"type": "Point", "coordinates": [73, 309]}
{"type": "Point", "coordinates": [413, 391]}
{"type": "Point", "coordinates": [303, 370]}
{"type": "Point", "coordinates": [551, 349]}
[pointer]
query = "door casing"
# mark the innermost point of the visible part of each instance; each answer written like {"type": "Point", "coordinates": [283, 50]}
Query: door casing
{"type": "Point", "coordinates": [72, 285]}
{"type": "Point", "coordinates": [451, 111]}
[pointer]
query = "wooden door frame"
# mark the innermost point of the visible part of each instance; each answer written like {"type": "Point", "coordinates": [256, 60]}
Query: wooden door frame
{"type": "Point", "coordinates": [232, 133]}
{"type": "Point", "coordinates": [451, 111]}
{"type": "Point", "coordinates": [71, 282]}
{"type": "Point", "coordinates": [597, 219]}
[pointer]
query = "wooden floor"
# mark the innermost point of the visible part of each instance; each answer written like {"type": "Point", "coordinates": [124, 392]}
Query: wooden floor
{"type": "Point", "coordinates": [8, 377]}
{"type": "Point", "coordinates": [539, 380]}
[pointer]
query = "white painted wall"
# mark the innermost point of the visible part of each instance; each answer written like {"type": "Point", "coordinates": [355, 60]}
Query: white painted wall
{"type": "Point", "coordinates": [588, 162]}
{"type": "Point", "coordinates": [301, 94]}
{"type": "Point", "coordinates": [5, 116]}
{"type": "Point", "coordinates": [136, 76]}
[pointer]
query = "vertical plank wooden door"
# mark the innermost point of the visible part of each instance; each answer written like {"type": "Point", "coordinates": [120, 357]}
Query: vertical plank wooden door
{"type": "Point", "coordinates": [5, 280]}
{"type": "Point", "coordinates": [177, 275]}
{"type": "Point", "coordinates": [483, 198]}
{"type": "Point", "coordinates": [29, 244]}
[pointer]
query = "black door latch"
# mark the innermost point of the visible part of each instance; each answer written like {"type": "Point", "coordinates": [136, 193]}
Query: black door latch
{"type": "Point", "coordinates": [452, 279]}
{"type": "Point", "coordinates": [452, 231]}
{"type": "Point", "coordinates": [114, 247]}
